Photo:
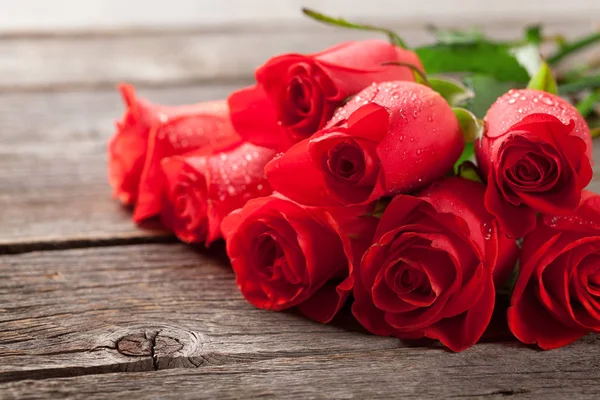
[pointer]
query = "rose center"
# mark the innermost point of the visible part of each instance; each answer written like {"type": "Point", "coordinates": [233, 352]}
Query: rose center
{"type": "Point", "coordinates": [346, 162]}
{"type": "Point", "coordinates": [594, 283]}
{"type": "Point", "coordinates": [269, 256]}
{"type": "Point", "coordinates": [532, 171]}
{"type": "Point", "coordinates": [409, 280]}
{"type": "Point", "coordinates": [299, 95]}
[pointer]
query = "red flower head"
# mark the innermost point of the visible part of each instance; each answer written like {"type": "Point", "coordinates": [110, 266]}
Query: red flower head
{"type": "Point", "coordinates": [297, 94]}
{"type": "Point", "coordinates": [202, 187]}
{"type": "Point", "coordinates": [148, 133]}
{"type": "Point", "coordinates": [393, 137]}
{"type": "Point", "coordinates": [286, 255]}
{"type": "Point", "coordinates": [557, 297]}
{"type": "Point", "coordinates": [433, 269]}
{"type": "Point", "coordinates": [536, 155]}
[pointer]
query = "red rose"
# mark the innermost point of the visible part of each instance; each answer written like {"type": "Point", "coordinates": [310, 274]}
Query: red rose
{"type": "Point", "coordinates": [149, 133]}
{"type": "Point", "coordinates": [285, 254]}
{"type": "Point", "coordinates": [557, 296]}
{"type": "Point", "coordinates": [393, 137]}
{"type": "Point", "coordinates": [202, 187]}
{"type": "Point", "coordinates": [434, 265]}
{"type": "Point", "coordinates": [537, 156]}
{"type": "Point", "coordinates": [297, 94]}
{"type": "Point", "coordinates": [127, 148]}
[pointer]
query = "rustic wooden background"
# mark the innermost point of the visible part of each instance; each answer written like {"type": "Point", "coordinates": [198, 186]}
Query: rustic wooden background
{"type": "Point", "coordinates": [93, 306]}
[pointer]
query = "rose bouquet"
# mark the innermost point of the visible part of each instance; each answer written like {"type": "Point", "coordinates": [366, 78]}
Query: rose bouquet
{"type": "Point", "coordinates": [416, 185]}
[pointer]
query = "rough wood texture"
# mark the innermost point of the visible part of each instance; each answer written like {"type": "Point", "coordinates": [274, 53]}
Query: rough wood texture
{"type": "Point", "coordinates": [95, 312]}
{"type": "Point", "coordinates": [492, 371]}
{"type": "Point", "coordinates": [53, 185]}
{"type": "Point", "coordinates": [140, 308]}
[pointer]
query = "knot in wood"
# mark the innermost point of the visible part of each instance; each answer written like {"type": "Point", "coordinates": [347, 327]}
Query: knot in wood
{"type": "Point", "coordinates": [148, 344]}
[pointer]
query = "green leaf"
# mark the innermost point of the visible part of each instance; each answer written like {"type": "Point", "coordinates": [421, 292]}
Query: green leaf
{"type": "Point", "coordinates": [487, 90]}
{"type": "Point", "coordinates": [455, 36]}
{"type": "Point", "coordinates": [418, 74]}
{"type": "Point", "coordinates": [481, 57]}
{"type": "Point", "coordinates": [471, 126]}
{"type": "Point", "coordinates": [572, 47]}
{"type": "Point", "coordinates": [533, 34]}
{"type": "Point", "coordinates": [586, 106]}
{"type": "Point", "coordinates": [588, 82]}
{"type": "Point", "coordinates": [393, 37]}
{"type": "Point", "coordinates": [380, 207]}
{"type": "Point", "coordinates": [453, 91]}
{"type": "Point", "coordinates": [466, 155]}
{"type": "Point", "coordinates": [528, 56]}
{"type": "Point", "coordinates": [543, 80]}
{"type": "Point", "coordinates": [595, 132]}
{"type": "Point", "coordinates": [468, 170]}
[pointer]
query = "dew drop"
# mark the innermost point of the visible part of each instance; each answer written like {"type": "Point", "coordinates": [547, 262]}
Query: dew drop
{"type": "Point", "coordinates": [223, 157]}
{"type": "Point", "coordinates": [259, 186]}
{"type": "Point", "coordinates": [512, 101]}
{"type": "Point", "coordinates": [487, 229]}
{"type": "Point", "coordinates": [231, 190]}
{"type": "Point", "coordinates": [430, 118]}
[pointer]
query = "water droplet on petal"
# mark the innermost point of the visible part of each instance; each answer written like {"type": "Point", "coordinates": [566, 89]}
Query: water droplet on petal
{"type": "Point", "coordinates": [487, 229]}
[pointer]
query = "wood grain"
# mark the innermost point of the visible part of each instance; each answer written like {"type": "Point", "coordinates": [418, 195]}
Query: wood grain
{"type": "Point", "coordinates": [491, 371]}
{"type": "Point", "coordinates": [97, 313]}
{"type": "Point", "coordinates": [53, 179]}
{"type": "Point", "coordinates": [141, 308]}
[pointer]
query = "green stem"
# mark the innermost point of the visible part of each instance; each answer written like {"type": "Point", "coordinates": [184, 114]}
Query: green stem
{"type": "Point", "coordinates": [419, 75]}
{"type": "Point", "coordinates": [393, 36]}
{"type": "Point", "coordinates": [573, 47]}
{"type": "Point", "coordinates": [589, 82]}
{"type": "Point", "coordinates": [586, 106]}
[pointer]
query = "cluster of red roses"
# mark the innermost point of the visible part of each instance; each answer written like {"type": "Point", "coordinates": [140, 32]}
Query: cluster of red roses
{"type": "Point", "coordinates": [331, 178]}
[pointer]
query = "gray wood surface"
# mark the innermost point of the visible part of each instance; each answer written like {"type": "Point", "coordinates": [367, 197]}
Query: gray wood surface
{"type": "Point", "coordinates": [113, 316]}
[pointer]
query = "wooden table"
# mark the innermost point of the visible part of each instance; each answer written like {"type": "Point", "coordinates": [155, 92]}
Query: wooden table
{"type": "Point", "coordinates": [93, 306]}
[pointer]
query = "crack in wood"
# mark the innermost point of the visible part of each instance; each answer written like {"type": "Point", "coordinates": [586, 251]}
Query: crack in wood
{"type": "Point", "coordinates": [67, 244]}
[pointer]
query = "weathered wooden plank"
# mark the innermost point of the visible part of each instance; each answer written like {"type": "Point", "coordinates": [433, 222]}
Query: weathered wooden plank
{"type": "Point", "coordinates": [139, 308]}
{"type": "Point", "coordinates": [94, 312]}
{"type": "Point", "coordinates": [189, 56]}
{"type": "Point", "coordinates": [490, 371]}
{"type": "Point", "coordinates": [53, 179]}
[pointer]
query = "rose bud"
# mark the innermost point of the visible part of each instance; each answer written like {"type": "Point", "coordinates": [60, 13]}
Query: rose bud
{"type": "Point", "coordinates": [148, 133]}
{"type": "Point", "coordinates": [434, 265]}
{"type": "Point", "coordinates": [127, 148]}
{"type": "Point", "coordinates": [557, 296]}
{"type": "Point", "coordinates": [393, 137]}
{"type": "Point", "coordinates": [296, 94]}
{"type": "Point", "coordinates": [536, 155]}
{"type": "Point", "coordinates": [202, 187]}
{"type": "Point", "coordinates": [287, 255]}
